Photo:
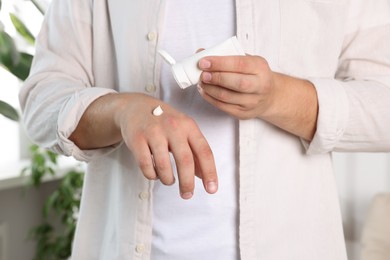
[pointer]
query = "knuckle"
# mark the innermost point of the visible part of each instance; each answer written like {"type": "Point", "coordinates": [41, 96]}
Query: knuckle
{"type": "Point", "coordinates": [261, 64]}
{"type": "Point", "coordinates": [243, 84]}
{"type": "Point", "coordinates": [240, 64]}
{"type": "Point", "coordinates": [134, 140]}
{"type": "Point", "coordinates": [186, 159]}
{"type": "Point", "coordinates": [217, 78]}
{"type": "Point", "coordinates": [189, 123]}
{"type": "Point", "coordinates": [179, 122]}
{"type": "Point", "coordinates": [153, 130]}
{"type": "Point", "coordinates": [137, 135]}
{"type": "Point", "coordinates": [172, 122]}
{"type": "Point", "coordinates": [244, 108]}
{"type": "Point", "coordinates": [206, 153]}
{"type": "Point", "coordinates": [145, 162]}
{"type": "Point", "coordinates": [162, 165]}
{"type": "Point", "coordinates": [147, 169]}
{"type": "Point", "coordinates": [259, 59]}
{"type": "Point", "coordinates": [223, 95]}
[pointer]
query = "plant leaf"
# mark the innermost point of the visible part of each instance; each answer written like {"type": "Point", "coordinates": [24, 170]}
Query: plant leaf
{"type": "Point", "coordinates": [38, 6]}
{"type": "Point", "coordinates": [50, 203]}
{"type": "Point", "coordinates": [22, 69]}
{"type": "Point", "coordinates": [9, 56]}
{"type": "Point", "coordinates": [8, 111]}
{"type": "Point", "coordinates": [22, 29]}
{"type": "Point", "coordinates": [52, 156]}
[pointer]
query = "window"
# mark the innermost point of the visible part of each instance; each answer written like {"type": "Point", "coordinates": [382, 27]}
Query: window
{"type": "Point", "coordinates": [11, 146]}
{"type": "Point", "coordinates": [9, 137]}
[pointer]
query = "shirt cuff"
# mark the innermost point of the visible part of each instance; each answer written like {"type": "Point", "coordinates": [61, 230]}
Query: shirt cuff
{"type": "Point", "coordinates": [332, 117]}
{"type": "Point", "coordinates": [68, 119]}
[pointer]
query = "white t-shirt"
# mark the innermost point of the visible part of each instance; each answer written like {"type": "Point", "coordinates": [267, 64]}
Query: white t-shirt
{"type": "Point", "coordinates": [205, 227]}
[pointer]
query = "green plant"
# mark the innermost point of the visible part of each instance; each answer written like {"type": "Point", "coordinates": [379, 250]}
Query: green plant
{"type": "Point", "coordinates": [55, 235]}
{"type": "Point", "coordinates": [16, 62]}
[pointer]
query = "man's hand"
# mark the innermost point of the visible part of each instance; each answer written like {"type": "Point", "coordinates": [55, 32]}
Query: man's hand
{"type": "Point", "coordinates": [242, 86]}
{"type": "Point", "coordinates": [151, 138]}
{"type": "Point", "coordinates": [129, 116]}
{"type": "Point", "coordinates": [245, 87]}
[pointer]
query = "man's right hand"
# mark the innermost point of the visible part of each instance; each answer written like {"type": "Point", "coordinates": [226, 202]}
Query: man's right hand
{"type": "Point", "coordinates": [150, 138]}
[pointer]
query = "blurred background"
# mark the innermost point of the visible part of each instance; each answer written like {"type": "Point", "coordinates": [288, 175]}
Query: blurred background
{"type": "Point", "coordinates": [38, 210]}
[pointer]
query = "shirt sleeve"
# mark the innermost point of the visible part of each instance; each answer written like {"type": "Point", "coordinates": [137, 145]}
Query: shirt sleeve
{"type": "Point", "coordinates": [61, 83]}
{"type": "Point", "coordinates": [354, 107]}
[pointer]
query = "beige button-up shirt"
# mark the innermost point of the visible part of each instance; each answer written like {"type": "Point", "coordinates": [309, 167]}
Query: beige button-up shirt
{"type": "Point", "coordinates": [287, 196]}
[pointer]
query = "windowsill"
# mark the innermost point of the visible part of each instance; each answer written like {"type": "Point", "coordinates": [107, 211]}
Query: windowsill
{"type": "Point", "coordinates": [10, 175]}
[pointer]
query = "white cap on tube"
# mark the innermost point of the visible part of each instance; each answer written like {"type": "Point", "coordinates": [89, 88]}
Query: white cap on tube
{"type": "Point", "coordinates": [181, 76]}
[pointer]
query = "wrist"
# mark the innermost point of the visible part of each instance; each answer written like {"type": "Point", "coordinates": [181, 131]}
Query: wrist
{"type": "Point", "coordinates": [126, 105]}
{"type": "Point", "coordinates": [275, 98]}
{"type": "Point", "coordinates": [293, 106]}
{"type": "Point", "coordinates": [121, 102]}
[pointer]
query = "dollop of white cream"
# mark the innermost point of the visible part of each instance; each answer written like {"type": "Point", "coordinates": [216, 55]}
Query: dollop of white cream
{"type": "Point", "coordinates": [158, 111]}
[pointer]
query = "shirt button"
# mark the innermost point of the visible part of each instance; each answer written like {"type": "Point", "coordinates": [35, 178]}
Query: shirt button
{"type": "Point", "coordinates": [150, 88]}
{"type": "Point", "coordinates": [144, 195]}
{"type": "Point", "coordinates": [140, 248]}
{"type": "Point", "coordinates": [152, 36]}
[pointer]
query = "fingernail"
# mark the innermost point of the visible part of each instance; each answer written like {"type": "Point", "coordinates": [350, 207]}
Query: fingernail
{"type": "Point", "coordinates": [204, 64]}
{"type": "Point", "coordinates": [212, 187]}
{"type": "Point", "coordinates": [206, 76]}
{"type": "Point", "coordinates": [199, 88]}
{"type": "Point", "coordinates": [187, 195]}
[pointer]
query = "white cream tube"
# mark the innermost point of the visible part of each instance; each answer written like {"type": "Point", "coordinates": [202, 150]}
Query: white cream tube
{"type": "Point", "coordinates": [187, 73]}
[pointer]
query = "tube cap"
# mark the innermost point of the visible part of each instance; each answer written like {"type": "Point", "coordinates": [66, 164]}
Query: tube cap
{"type": "Point", "coordinates": [181, 76]}
{"type": "Point", "coordinates": [178, 71]}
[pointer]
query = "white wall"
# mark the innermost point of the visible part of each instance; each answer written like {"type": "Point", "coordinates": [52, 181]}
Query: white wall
{"type": "Point", "coordinates": [359, 177]}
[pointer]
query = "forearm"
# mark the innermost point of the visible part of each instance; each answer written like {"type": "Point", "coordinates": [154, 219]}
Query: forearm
{"type": "Point", "coordinates": [294, 107]}
{"type": "Point", "coordinates": [97, 127]}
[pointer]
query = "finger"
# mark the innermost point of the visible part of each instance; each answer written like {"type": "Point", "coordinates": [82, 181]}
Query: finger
{"type": "Point", "coordinates": [205, 160]}
{"type": "Point", "coordinates": [237, 82]}
{"type": "Point", "coordinates": [235, 110]}
{"type": "Point", "coordinates": [144, 159]}
{"type": "Point", "coordinates": [239, 64]}
{"type": "Point", "coordinates": [198, 172]}
{"type": "Point", "coordinates": [228, 96]}
{"type": "Point", "coordinates": [162, 162]}
{"type": "Point", "coordinates": [185, 167]}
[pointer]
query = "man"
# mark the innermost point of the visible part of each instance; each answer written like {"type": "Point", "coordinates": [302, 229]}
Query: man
{"type": "Point", "coordinates": [258, 131]}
